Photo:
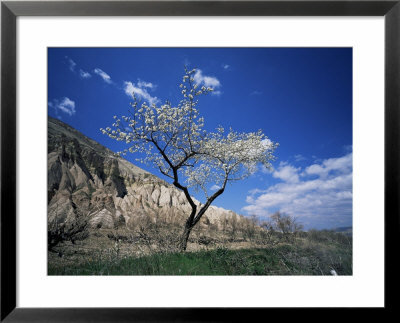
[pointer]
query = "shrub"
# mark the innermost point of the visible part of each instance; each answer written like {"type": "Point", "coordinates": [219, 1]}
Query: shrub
{"type": "Point", "coordinates": [287, 225]}
{"type": "Point", "coordinates": [75, 230]}
{"type": "Point", "coordinates": [329, 236]}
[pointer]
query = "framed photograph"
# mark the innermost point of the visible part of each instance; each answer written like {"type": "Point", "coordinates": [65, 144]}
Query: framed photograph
{"type": "Point", "coordinates": [193, 159]}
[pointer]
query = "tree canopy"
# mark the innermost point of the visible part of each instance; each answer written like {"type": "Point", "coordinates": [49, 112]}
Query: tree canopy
{"type": "Point", "coordinates": [174, 141]}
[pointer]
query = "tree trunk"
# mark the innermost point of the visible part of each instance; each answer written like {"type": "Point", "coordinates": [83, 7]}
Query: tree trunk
{"type": "Point", "coordinates": [185, 237]}
{"type": "Point", "coordinates": [192, 220]}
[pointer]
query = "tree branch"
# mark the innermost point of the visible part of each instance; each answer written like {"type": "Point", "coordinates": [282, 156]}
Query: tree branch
{"type": "Point", "coordinates": [209, 201]}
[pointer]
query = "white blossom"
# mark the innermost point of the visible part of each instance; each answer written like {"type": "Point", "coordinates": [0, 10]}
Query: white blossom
{"type": "Point", "coordinates": [175, 142]}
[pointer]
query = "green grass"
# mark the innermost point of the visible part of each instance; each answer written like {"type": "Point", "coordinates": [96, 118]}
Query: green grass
{"type": "Point", "coordinates": [285, 259]}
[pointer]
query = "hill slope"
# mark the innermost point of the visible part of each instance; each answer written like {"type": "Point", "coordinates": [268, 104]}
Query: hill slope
{"type": "Point", "coordinates": [86, 178]}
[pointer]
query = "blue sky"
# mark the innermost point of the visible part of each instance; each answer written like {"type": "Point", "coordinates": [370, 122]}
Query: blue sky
{"type": "Point", "coordinates": [300, 98]}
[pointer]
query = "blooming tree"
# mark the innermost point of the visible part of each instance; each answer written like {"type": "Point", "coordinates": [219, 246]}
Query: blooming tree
{"type": "Point", "coordinates": [173, 139]}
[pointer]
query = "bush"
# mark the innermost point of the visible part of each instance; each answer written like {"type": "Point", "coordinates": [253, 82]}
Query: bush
{"type": "Point", "coordinates": [329, 236]}
{"type": "Point", "coordinates": [75, 230]}
{"type": "Point", "coordinates": [267, 233]}
{"type": "Point", "coordinates": [287, 225]}
{"type": "Point", "coordinates": [249, 228]}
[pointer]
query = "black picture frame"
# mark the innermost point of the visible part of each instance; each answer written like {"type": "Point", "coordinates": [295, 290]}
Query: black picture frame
{"type": "Point", "coordinates": [10, 10]}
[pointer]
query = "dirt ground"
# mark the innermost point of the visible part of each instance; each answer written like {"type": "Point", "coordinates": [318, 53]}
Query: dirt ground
{"type": "Point", "coordinates": [125, 243]}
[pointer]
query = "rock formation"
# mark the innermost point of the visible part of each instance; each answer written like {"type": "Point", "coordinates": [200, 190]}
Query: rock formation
{"type": "Point", "coordinates": [86, 178]}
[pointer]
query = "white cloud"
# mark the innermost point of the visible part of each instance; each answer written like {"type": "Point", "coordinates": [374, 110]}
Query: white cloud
{"type": "Point", "coordinates": [71, 64]}
{"type": "Point", "coordinates": [299, 158]}
{"type": "Point", "coordinates": [287, 173]}
{"type": "Point", "coordinates": [226, 66]}
{"type": "Point", "coordinates": [84, 74]}
{"type": "Point", "coordinates": [140, 90]}
{"type": "Point", "coordinates": [341, 164]}
{"type": "Point", "coordinates": [256, 191]}
{"type": "Point", "coordinates": [208, 81]}
{"type": "Point", "coordinates": [72, 67]}
{"type": "Point", "coordinates": [327, 198]}
{"type": "Point", "coordinates": [215, 187]}
{"type": "Point", "coordinates": [144, 84]}
{"type": "Point", "coordinates": [64, 105]}
{"type": "Point", "coordinates": [106, 78]}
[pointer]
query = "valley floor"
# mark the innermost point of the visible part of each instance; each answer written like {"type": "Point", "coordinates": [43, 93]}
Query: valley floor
{"type": "Point", "coordinates": [110, 252]}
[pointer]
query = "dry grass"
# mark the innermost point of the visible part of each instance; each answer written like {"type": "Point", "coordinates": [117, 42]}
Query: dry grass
{"type": "Point", "coordinates": [313, 253]}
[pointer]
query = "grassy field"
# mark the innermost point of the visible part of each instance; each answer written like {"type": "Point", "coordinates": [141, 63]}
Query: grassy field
{"type": "Point", "coordinates": [312, 253]}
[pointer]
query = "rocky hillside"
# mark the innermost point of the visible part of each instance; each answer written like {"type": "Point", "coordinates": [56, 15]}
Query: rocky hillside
{"type": "Point", "coordinates": [85, 178]}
